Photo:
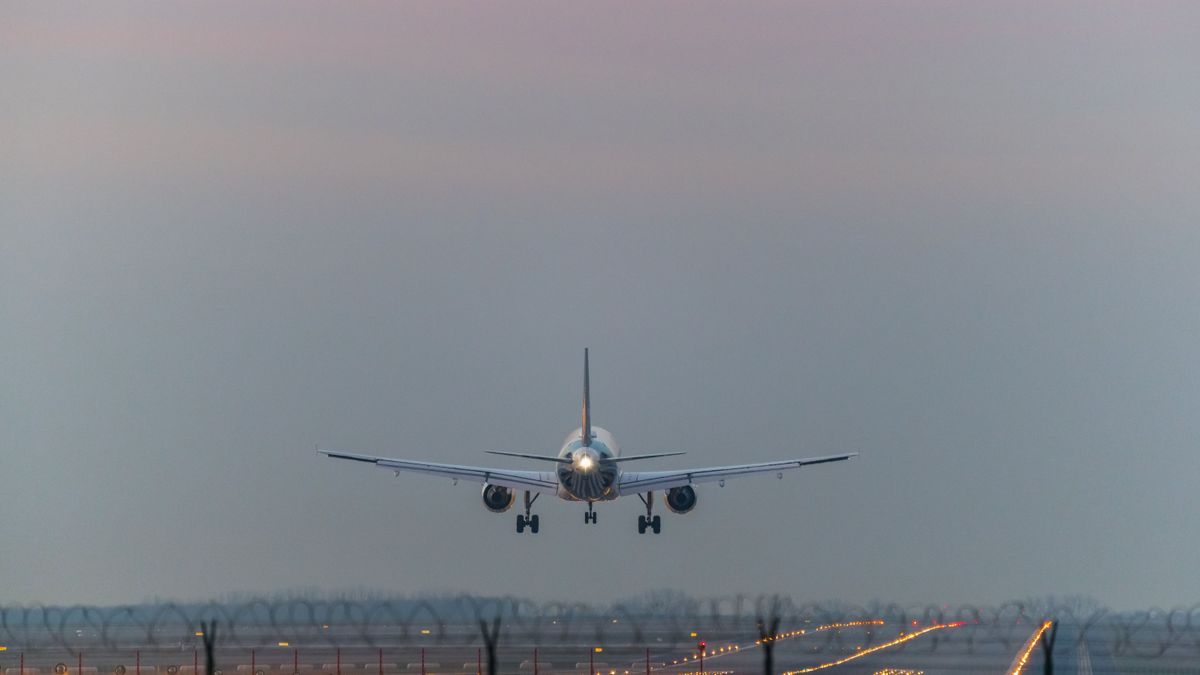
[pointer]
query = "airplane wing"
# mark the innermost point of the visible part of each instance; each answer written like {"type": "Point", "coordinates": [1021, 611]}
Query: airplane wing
{"type": "Point", "coordinates": [643, 481]}
{"type": "Point", "coordinates": [534, 481]}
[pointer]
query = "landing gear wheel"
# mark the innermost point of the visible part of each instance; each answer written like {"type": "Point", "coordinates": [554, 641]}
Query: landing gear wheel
{"type": "Point", "coordinates": [521, 524]}
{"type": "Point", "coordinates": [648, 522]}
{"type": "Point", "coordinates": [533, 524]}
{"type": "Point", "coordinates": [590, 516]}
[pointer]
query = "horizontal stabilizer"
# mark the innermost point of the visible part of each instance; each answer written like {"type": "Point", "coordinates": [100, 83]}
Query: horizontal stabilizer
{"type": "Point", "coordinates": [631, 458]}
{"type": "Point", "coordinates": [522, 455]}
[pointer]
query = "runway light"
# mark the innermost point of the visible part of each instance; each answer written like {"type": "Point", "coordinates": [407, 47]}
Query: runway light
{"type": "Point", "coordinates": [3, 648]}
{"type": "Point", "coordinates": [284, 644]}
{"type": "Point", "coordinates": [425, 631]}
{"type": "Point", "coordinates": [199, 633]}
{"type": "Point", "coordinates": [893, 643]}
{"type": "Point", "coordinates": [1033, 641]}
{"type": "Point", "coordinates": [598, 649]}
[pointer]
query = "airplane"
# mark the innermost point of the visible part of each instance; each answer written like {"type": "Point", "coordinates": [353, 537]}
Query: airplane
{"type": "Point", "coordinates": [588, 468]}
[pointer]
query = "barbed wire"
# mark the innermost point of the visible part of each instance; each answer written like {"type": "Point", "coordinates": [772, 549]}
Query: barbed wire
{"type": "Point", "coordinates": [670, 620]}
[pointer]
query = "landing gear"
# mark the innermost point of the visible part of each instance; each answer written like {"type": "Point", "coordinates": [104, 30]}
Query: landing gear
{"type": "Point", "coordinates": [527, 520]}
{"type": "Point", "coordinates": [590, 516]}
{"type": "Point", "coordinates": [647, 521]}
{"type": "Point", "coordinates": [654, 524]}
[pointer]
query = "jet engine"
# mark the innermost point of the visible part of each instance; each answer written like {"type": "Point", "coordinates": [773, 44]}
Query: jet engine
{"type": "Point", "coordinates": [681, 499]}
{"type": "Point", "coordinates": [497, 498]}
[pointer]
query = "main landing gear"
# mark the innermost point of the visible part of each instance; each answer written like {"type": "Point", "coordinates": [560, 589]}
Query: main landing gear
{"type": "Point", "coordinates": [590, 516]}
{"type": "Point", "coordinates": [527, 520]}
{"type": "Point", "coordinates": [647, 522]}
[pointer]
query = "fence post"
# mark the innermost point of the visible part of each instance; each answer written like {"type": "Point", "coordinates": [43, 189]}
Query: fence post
{"type": "Point", "coordinates": [766, 638]}
{"type": "Point", "coordinates": [1048, 648]}
{"type": "Point", "coordinates": [137, 661]}
{"type": "Point", "coordinates": [490, 635]}
{"type": "Point", "coordinates": [253, 663]}
{"type": "Point", "coordinates": [592, 661]}
{"type": "Point", "coordinates": [647, 661]}
{"type": "Point", "coordinates": [535, 661]}
{"type": "Point", "coordinates": [381, 661]}
{"type": "Point", "coordinates": [339, 661]}
{"type": "Point", "coordinates": [209, 635]}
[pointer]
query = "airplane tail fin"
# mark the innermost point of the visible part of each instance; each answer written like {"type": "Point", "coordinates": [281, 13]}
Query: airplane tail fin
{"type": "Point", "coordinates": [587, 404]}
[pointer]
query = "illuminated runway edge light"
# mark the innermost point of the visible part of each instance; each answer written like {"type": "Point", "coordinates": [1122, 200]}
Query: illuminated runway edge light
{"type": "Point", "coordinates": [715, 652]}
{"type": "Point", "coordinates": [1027, 650]}
{"type": "Point", "coordinates": [900, 640]}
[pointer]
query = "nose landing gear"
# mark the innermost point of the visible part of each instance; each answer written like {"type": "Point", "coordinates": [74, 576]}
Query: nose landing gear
{"type": "Point", "coordinates": [647, 521]}
{"type": "Point", "coordinates": [590, 516]}
{"type": "Point", "coordinates": [527, 520]}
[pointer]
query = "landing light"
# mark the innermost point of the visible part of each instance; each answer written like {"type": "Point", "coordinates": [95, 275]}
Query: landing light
{"type": "Point", "coordinates": [585, 463]}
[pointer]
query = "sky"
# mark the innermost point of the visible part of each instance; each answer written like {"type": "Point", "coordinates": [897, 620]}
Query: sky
{"type": "Point", "coordinates": [959, 238]}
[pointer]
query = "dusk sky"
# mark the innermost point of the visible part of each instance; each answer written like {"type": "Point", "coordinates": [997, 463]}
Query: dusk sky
{"type": "Point", "coordinates": [960, 238]}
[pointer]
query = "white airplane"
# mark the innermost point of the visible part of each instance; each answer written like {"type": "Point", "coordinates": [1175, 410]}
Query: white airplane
{"type": "Point", "coordinates": [587, 469]}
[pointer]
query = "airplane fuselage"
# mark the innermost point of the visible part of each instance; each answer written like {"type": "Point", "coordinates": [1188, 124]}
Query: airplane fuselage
{"type": "Point", "coordinates": [590, 476]}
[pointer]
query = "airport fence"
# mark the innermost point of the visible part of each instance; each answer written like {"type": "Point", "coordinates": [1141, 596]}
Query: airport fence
{"type": "Point", "coordinates": [670, 625]}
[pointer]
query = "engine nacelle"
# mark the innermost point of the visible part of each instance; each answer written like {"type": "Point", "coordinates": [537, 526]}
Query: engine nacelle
{"type": "Point", "coordinates": [497, 498]}
{"type": "Point", "coordinates": [680, 499]}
